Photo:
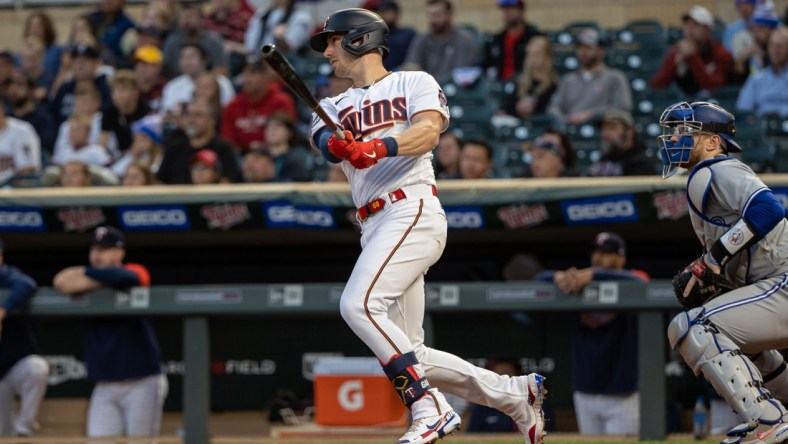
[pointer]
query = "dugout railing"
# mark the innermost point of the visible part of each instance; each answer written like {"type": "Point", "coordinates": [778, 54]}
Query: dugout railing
{"type": "Point", "coordinates": [196, 304]}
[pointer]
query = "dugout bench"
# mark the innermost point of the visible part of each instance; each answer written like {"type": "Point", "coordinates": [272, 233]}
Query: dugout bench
{"type": "Point", "coordinates": [196, 304]}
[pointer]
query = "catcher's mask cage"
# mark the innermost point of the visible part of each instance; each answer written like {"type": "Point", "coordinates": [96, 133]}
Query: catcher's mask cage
{"type": "Point", "coordinates": [364, 31]}
{"type": "Point", "coordinates": [681, 121]}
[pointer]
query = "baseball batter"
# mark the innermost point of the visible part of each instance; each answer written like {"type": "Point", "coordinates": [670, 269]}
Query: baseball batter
{"type": "Point", "coordinates": [733, 338]}
{"type": "Point", "coordinates": [122, 354]}
{"type": "Point", "coordinates": [391, 123]}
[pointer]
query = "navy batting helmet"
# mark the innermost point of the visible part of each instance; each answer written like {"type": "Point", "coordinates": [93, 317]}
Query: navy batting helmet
{"type": "Point", "coordinates": [364, 31]}
{"type": "Point", "coordinates": [682, 119]}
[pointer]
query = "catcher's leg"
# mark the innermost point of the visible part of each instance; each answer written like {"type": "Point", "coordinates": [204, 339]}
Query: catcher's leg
{"type": "Point", "coordinates": [730, 372]}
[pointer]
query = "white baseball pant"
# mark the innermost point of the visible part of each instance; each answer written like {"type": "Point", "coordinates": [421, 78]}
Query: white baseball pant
{"type": "Point", "coordinates": [607, 414]}
{"type": "Point", "coordinates": [127, 408]}
{"type": "Point", "coordinates": [27, 380]}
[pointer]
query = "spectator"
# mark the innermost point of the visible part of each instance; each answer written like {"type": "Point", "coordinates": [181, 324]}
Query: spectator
{"type": "Point", "coordinates": [444, 48]}
{"type": "Point", "coordinates": [31, 62]}
{"type": "Point", "coordinates": [258, 166]}
{"type": "Point", "coordinates": [148, 64]}
{"type": "Point", "coordinates": [111, 22]}
{"type": "Point", "coordinates": [476, 160]}
{"type": "Point", "coordinates": [604, 349]}
{"type": "Point", "coordinates": [282, 23]}
{"type": "Point", "coordinates": [121, 353]}
{"type": "Point", "coordinates": [552, 156]}
{"type": "Point", "coordinates": [199, 133]}
{"type": "Point", "coordinates": [24, 106]}
{"type": "Point", "coordinates": [400, 37]}
{"type": "Point", "coordinates": [206, 169]}
{"type": "Point", "coordinates": [244, 119]}
{"type": "Point", "coordinates": [593, 89]}
{"type": "Point", "coordinates": [697, 64]}
{"type": "Point", "coordinates": [86, 105]}
{"type": "Point", "coordinates": [138, 174]}
{"type": "Point", "coordinates": [485, 419]}
{"type": "Point", "coordinates": [23, 373]}
{"type": "Point", "coordinates": [79, 146]}
{"type": "Point", "coordinates": [190, 32]}
{"type": "Point", "coordinates": [39, 25]}
{"type": "Point", "coordinates": [750, 53]}
{"type": "Point", "coordinates": [230, 19]}
{"type": "Point", "coordinates": [127, 107]}
{"type": "Point", "coordinates": [766, 92]}
{"type": "Point", "coordinates": [146, 146]}
{"type": "Point", "coordinates": [292, 158]}
{"type": "Point", "coordinates": [505, 50]}
{"type": "Point", "coordinates": [193, 63]}
{"type": "Point", "coordinates": [20, 148]}
{"type": "Point", "coordinates": [85, 64]}
{"type": "Point", "coordinates": [207, 86]}
{"type": "Point", "coordinates": [536, 84]}
{"type": "Point", "coordinates": [623, 153]}
{"type": "Point", "coordinates": [7, 67]}
{"type": "Point", "coordinates": [74, 174]}
{"type": "Point", "coordinates": [740, 27]}
{"type": "Point", "coordinates": [447, 156]}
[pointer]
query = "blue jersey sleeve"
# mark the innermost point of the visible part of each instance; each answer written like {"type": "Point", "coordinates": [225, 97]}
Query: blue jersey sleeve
{"type": "Point", "coordinates": [21, 287]}
{"type": "Point", "coordinates": [321, 141]}
{"type": "Point", "coordinates": [763, 213]}
{"type": "Point", "coordinates": [113, 277]}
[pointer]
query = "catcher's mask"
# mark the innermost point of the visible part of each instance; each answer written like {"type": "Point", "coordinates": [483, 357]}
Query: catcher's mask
{"type": "Point", "coordinates": [681, 121]}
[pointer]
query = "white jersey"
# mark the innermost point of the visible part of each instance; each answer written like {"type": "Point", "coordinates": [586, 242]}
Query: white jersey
{"type": "Point", "coordinates": [20, 148]}
{"type": "Point", "coordinates": [385, 109]}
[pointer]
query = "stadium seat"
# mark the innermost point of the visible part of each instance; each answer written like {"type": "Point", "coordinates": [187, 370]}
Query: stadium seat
{"type": "Point", "coordinates": [647, 34]}
{"type": "Point", "coordinates": [756, 151]}
{"type": "Point", "coordinates": [585, 141]}
{"type": "Point", "coordinates": [775, 133]}
{"type": "Point", "coordinates": [653, 102]}
{"type": "Point", "coordinates": [567, 35]}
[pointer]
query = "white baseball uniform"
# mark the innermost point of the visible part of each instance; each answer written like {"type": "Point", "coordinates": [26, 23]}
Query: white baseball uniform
{"type": "Point", "coordinates": [20, 148]}
{"type": "Point", "coordinates": [383, 301]}
{"type": "Point", "coordinates": [27, 380]}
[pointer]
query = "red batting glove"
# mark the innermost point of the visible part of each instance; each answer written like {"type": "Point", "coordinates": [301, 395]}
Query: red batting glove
{"type": "Point", "coordinates": [342, 148]}
{"type": "Point", "coordinates": [367, 153]}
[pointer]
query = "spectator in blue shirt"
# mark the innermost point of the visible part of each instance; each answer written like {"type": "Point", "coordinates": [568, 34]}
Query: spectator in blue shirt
{"type": "Point", "coordinates": [111, 22]}
{"type": "Point", "coordinates": [745, 9]}
{"type": "Point", "coordinates": [766, 92]}
{"type": "Point", "coordinates": [399, 37]}
{"type": "Point", "coordinates": [23, 373]}
{"type": "Point", "coordinates": [604, 353]}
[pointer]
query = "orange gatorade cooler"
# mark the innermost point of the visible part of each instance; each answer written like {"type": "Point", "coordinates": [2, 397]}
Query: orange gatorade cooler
{"type": "Point", "coordinates": [354, 391]}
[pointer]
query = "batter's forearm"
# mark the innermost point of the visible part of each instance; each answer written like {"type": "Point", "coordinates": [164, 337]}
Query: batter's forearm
{"type": "Point", "coordinates": [422, 136]}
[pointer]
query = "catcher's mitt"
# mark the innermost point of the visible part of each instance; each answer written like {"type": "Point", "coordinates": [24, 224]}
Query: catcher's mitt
{"type": "Point", "coordinates": [710, 286]}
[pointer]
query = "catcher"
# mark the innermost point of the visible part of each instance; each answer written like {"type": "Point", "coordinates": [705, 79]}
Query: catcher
{"type": "Point", "coordinates": [733, 327]}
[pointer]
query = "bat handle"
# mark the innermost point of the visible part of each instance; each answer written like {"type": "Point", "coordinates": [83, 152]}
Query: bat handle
{"type": "Point", "coordinates": [338, 132]}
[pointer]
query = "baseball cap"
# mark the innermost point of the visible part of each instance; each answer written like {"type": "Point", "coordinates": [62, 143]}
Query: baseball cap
{"type": "Point", "coordinates": [107, 236]}
{"type": "Point", "coordinates": [700, 15]}
{"type": "Point", "coordinates": [84, 50]}
{"type": "Point", "coordinates": [589, 37]}
{"type": "Point", "coordinates": [548, 145]}
{"type": "Point", "coordinates": [765, 15]}
{"type": "Point", "coordinates": [618, 115]}
{"type": "Point", "coordinates": [609, 243]}
{"type": "Point", "coordinates": [517, 3]}
{"type": "Point", "coordinates": [149, 54]}
{"type": "Point", "coordinates": [151, 126]}
{"type": "Point", "coordinates": [208, 158]}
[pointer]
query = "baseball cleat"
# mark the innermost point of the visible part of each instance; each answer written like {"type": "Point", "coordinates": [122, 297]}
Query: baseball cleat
{"type": "Point", "coordinates": [429, 429]}
{"type": "Point", "coordinates": [531, 418]}
{"type": "Point", "coordinates": [764, 434]}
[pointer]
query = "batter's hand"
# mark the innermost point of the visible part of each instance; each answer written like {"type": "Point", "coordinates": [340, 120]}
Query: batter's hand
{"type": "Point", "coordinates": [367, 153]}
{"type": "Point", "coordinates": [342, 148]}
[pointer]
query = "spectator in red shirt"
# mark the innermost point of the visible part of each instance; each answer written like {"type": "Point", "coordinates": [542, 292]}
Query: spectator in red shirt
{"type": "Point", "coordinates": [697, 63]}
{"type": "Point", "coordinates": [506, 50]}
{"type": "Point", "coordinates": [245, 117]}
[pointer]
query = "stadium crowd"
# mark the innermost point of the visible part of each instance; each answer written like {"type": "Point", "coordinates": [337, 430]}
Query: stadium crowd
{"type": "Point", "coordinates": [177, 95]}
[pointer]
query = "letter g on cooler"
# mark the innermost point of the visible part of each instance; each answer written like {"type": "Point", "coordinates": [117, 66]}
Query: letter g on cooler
{"type": "Point", "coordinates": [351, 395]}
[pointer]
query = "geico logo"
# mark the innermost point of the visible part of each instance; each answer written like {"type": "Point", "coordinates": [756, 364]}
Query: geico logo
{"type": "Point", "coordinates": [20, 219]}
{"type": "Point", "coordinates": [351, 395]}
{"type": "Point", "coordinates": [154, 217]}
{"type": "Point", "coordinates": [603, 210]}
{"type": "Point", "coordinates": [463, 219]}
{"type": "Point", "coordinates": [284, 213]}
{"type": "Point", "coordinates": [314, 218]}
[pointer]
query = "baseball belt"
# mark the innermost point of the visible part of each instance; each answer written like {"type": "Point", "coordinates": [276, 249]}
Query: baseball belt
{"type": "Point", "coordinates": [394, 196]}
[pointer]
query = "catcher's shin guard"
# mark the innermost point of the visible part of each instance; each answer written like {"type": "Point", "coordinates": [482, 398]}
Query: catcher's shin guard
{"type": "Point", "coordinates": [731, 373]}
{"type": "Point", "coordinates": [772, 366]}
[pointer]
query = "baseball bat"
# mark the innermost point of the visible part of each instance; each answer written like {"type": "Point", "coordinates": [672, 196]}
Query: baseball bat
{"type": "Point", "coordinates": [285, 70]}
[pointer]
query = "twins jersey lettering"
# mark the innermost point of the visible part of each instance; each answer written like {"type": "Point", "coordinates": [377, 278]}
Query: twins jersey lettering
{"type": "Point", "coordinates": [383, 109]}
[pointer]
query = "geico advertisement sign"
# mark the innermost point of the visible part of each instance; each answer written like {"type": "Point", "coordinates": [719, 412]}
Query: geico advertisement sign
{"type": "Point", "coordinates": [21, 219]}
{"type": "Point", "coordinates": [285, 214]}
{"type": "Point", "coordinates": [159, 217]}
{"type": "Point", "coordinates": [464, 217]}
{"type": "Point", "coordinates": [603, 209]}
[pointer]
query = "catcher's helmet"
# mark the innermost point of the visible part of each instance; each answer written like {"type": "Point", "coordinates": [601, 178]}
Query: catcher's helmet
{"type": "Point", "coordinates": [683, 119]}
{"type": "Point", "coordinates": [358, 24]}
